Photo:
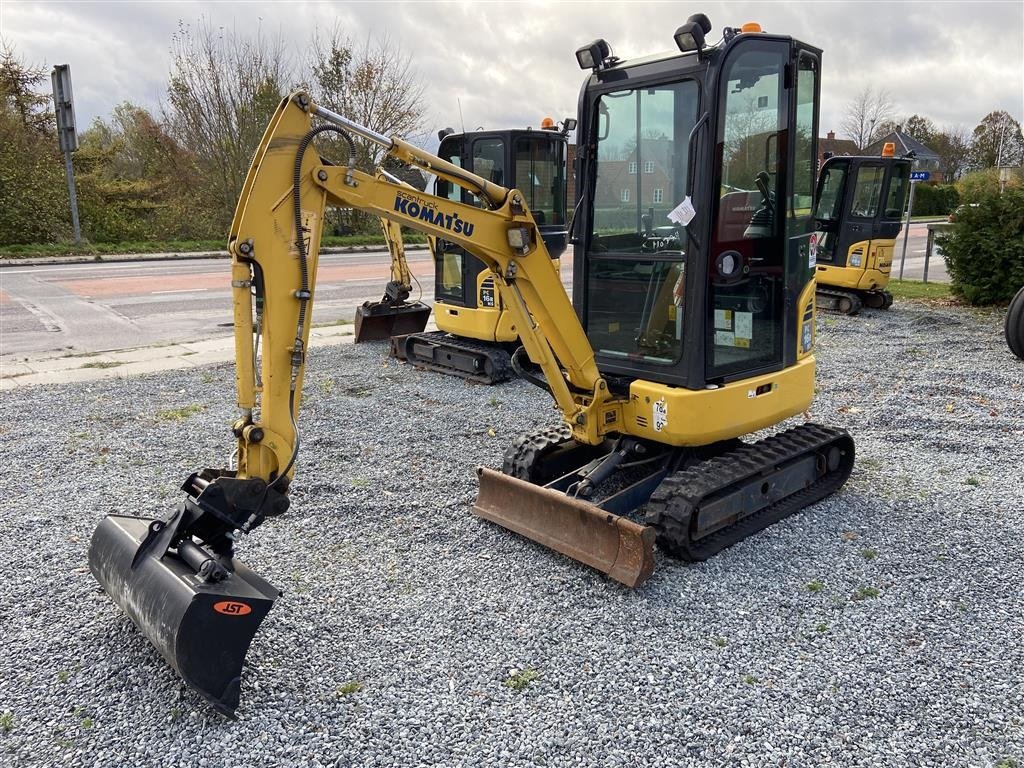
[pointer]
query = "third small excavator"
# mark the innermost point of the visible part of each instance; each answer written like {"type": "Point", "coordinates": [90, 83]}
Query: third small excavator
{"type": "Point", "coordinates": [858, 213]}
{"type": "Point", "coordinates": [475, 335]}
{"type": "Point", "coordinates": [689, 335]}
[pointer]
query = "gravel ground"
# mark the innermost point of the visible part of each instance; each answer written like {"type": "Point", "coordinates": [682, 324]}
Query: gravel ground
{"type": "Point", "coordinates": [881, 627]}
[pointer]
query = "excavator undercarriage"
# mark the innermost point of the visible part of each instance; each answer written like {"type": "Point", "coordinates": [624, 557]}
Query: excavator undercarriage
{"type": "Point", "coordinates": [582, 500]}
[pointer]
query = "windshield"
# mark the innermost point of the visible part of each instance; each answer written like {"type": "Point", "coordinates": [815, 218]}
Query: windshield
{"type": "Point", "coordinates": [636, 273]}
{"type": "Point", "coordinates": [642, 157]}
{"type": "Point", "coordinates": [897, 198]}
{"type": "Point", "coordinates": [540, 176]}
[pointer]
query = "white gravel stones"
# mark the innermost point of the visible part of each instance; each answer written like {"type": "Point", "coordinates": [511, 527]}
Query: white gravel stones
{"type": "Point", "coordinates": [881, 627]}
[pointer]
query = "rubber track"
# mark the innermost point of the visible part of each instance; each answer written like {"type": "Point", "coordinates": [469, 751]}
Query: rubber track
{"type": "Point", "coordinates": [834, 296]}
{"type": "Point", "coordinates": [522, 458]}
{"type": "Point", "coordinates": [501, 360]}
{"type": "Point", "coordinates": [672, 505]}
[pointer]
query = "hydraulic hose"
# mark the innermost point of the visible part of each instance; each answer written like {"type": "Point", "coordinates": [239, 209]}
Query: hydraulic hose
{"type": "Point", "coordinates": [303, 293]}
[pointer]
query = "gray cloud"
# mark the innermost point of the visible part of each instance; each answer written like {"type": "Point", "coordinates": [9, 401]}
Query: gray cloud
{"type": "Point", "coordinates": [512, 63]}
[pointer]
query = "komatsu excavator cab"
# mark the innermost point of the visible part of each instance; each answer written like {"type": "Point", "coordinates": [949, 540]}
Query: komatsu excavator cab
{"type": "Point", "coordinates": [693, 243]}
{"type": "Point", "coordinates": [858, 216]}
{"type": "Point", "coordinates": [476, 336]}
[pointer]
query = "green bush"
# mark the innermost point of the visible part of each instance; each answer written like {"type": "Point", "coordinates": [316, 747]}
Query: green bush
{"type": "Point", "coordinates": [985, 249]}
{"type": "Point", "coordinates": [935, 199]}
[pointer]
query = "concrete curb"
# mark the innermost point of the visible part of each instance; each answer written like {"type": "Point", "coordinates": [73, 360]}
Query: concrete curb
{"type": "Point", "coordinates": [113, 258]}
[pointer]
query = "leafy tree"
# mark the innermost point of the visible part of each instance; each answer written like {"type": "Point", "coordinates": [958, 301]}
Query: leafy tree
{"type": "Point", "coordinates": [137, 183]}
{"type": "Point", "coordinates": [223, 90]}
{"type": "Point", "coordinates": [922, 129]}
{"type": "Point", "coordinates": [997, 141]}
{"type": "Point", "coordinates": [866, 115]}
{"type": "Point", "coordinates": [953, 146]}
{"type": "Point", "coordinates": [33, 193]}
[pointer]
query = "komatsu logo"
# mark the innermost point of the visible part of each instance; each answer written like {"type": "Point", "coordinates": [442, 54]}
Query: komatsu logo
{"type": "Point", "coordinates": [415, 208]}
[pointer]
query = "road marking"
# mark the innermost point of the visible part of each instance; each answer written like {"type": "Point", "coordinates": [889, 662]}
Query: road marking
{"type": "Point", "coordinates": [182, 290]}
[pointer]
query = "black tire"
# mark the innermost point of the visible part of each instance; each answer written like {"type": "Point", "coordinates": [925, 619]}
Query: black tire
{"type": "Point", "coordinates": [1013, 328]}
{"type": "Point", "coordinates": [886, 299]}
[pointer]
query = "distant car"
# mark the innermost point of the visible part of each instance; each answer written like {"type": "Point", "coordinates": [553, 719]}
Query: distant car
{"type": "Point", "coordinates": [959, 210]}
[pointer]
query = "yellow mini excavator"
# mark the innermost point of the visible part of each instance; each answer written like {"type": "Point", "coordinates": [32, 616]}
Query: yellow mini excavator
{"type": "Point", "coordinates": [858, 214]}
{"type": "Point", "coordinates": [693, 326]}
{"type": "Point", "coordinates": [475, 335]}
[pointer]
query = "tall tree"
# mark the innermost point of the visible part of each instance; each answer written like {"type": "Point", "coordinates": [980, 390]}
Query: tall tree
{"type": "Point", "coordinates": [921, 128]}
{"type": "Point", "coordinates": [865, 115]}
{"type": "Point", "coordinates": [374, 84]}
{"type": "Point", "coordinates": [953, 146]}
{"type": "Point", "coordinates": [223, 90]}
{"type": "Point", "coordinates": [997, 141]}
{"type": "Point", "coordinates": [33, 195]}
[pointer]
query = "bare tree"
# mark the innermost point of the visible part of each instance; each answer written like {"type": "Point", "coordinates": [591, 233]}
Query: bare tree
{"type": "Point", "coordinates": [865, 116]}
{"type": "Point", "coordinates": [222, 92]}
{"type": "Point", "coordinates": [372, 83]}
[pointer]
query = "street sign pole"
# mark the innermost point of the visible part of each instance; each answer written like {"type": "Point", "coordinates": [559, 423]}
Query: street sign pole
{"type": "Point", "coordinates": [915, 176]}
{"type": "Point", "coordinates": [63, 105]}
{"type": "Point", "coordinates": [906, 225]}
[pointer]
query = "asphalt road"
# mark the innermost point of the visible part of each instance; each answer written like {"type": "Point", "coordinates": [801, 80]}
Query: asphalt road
{"type": "Point", "coordinates": [104, 306]}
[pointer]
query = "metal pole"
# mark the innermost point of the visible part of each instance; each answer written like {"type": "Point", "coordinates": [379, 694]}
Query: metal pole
{"type": "Point", "coordinates": [906, 228]}
{"type": "Point", "coordinates": [69, 171]}
{"type": "Point", "coordinates": [64, 113]}
{"type": "Point", "coordinates": [928, 251]}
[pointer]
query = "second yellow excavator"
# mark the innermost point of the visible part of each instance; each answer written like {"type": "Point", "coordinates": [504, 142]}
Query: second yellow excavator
{"type": "Point", "coordinates": [686, 336]}
{"type": "Point", "coordinates": [475, 335]}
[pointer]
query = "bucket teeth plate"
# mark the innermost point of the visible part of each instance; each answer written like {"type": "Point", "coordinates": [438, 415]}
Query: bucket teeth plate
{"type": "Point", "coordinates": [202, 629]}
{"type": "Point", "coordinates": [379, 321]}
{"type": "Point", "coordinates": [610, 543]}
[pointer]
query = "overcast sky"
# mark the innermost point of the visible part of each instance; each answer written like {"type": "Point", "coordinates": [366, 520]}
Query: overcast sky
{"type": "Point", "coordinates": [511, 63]}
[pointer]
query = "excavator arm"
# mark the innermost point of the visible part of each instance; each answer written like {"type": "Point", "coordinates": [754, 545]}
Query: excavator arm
{"type": "Point", "coordinates": [289, 187]}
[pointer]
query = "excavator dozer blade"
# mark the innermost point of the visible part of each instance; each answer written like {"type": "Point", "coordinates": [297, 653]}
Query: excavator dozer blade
{"type": "Point", "coordinates": [202, 629]}
{"type": "Point", "coordinates": [376, 321]}
{"type": "Point", "coordinates": [610, 543]}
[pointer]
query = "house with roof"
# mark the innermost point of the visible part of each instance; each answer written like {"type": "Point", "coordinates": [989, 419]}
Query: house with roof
{"type": "Point", "coordinates": [830, 146]}
{"type": "Point", "coordinates": [925, 159]}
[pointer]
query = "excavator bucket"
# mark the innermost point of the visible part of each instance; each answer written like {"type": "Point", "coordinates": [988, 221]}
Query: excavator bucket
{"type": "Point", "coordinates": [203, 629]}
{"type": "Point", "coordinates": [610, 543]}
{"type": "Point", "coordinates": [376, 321]}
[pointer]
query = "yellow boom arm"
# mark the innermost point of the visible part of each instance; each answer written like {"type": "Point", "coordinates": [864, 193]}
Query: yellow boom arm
{"type": "Point", "coordinates": [274, 276]}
